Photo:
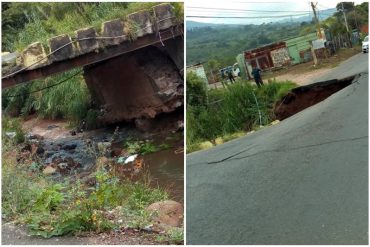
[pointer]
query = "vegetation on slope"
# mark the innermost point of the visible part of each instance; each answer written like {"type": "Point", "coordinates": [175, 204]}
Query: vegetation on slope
{"type": "Point", "coordinates": [220, 112]}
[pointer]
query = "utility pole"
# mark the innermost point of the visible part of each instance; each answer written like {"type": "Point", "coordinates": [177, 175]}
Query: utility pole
{"type": "Point", "coordinates": [345, 17]}
{"type": "Point", "coordinates": [354, 10]}
{"type": "Point", "coordinates": [319, 34]}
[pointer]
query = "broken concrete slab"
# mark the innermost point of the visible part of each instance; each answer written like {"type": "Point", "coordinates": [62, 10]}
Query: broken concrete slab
{"type": "Point", "coordinates": [8, 58]}
{"type": "Point", "coordinates": [164, 16]}
{"type": "Point", "coordinates": [90, 43]}
{"type": "Point", "coordinates": [34, 56]}
{"type": "Point", "coordinates": [113, 31]}
{"type": "Point", "coordinates": [143, 21]}
{"type": "Point", "coordinates": [61, 47]}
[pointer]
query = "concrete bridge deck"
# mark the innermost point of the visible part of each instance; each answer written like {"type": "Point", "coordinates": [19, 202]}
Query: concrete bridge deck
{"type": "Point", "coordinates": [87, 47]}
{"type": "Point", "coordinates": [132, 68]}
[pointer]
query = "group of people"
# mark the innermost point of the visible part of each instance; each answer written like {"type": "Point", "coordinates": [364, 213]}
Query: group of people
{"type": "Point", "coordinates": [229, 75]}
{"type": "Point", "coordinates": [256, 73]}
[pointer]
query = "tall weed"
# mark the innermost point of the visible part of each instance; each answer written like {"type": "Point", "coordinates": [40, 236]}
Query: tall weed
{"type": "Point", "coordinates": [236, 108]}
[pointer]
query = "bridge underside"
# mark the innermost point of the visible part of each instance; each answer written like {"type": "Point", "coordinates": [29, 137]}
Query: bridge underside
{"type": "Point", "coordinates": [139, 84]}
{"type": "Point", "coordinates": [133, 80]}
{"type": "Point", "coordinates": [129, 79]}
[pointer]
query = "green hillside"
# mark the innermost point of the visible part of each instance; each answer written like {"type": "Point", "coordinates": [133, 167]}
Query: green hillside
{"type": "Point", "coordinates": [223, 43]}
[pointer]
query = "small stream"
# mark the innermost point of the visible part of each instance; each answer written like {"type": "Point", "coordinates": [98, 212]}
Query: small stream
{"type": "Point", "coordinates": [166, 167]}
{"type": "Point", "coordinates": [167, 171]}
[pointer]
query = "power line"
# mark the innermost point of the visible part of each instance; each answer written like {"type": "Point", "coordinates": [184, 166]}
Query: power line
{"type": "Point", "coordinates": [39, 90]}
{"type": "Point", "coordinates": [228, 13]}
{"type": "Point", "coordinates": [250, 10]}
{"type": "Point", "coordinates": [234, 11]}
{"type": "Point", "coordinates": [242, 17]}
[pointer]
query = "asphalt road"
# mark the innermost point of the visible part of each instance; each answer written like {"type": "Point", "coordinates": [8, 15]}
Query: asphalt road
{"type": "Point", "coordinates": [302, 181]}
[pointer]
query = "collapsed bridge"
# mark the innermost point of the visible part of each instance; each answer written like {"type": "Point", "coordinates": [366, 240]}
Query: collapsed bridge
{"type": "Point", "coordinates": [133, 68]}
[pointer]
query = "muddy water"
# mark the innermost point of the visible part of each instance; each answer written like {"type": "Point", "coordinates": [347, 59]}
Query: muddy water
{"type": "Point", "coordinates": [167, 171]}
{"type": "Point", "coordinates": [166, 167]}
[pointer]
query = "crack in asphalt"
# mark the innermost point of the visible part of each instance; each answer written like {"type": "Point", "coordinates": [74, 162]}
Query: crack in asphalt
{"type": "Point", "coordinates": [231, 157]}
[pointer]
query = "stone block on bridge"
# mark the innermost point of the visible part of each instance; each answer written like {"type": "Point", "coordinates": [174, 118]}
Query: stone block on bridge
{"type": "Point", "coordinates": [34, 56]}
{"type": "Point", "coordinates": [89, 44]}
{"type": "Point", "coordinates": [164, 16]}
{"type": "Point", "coordinates": [113, 32]}
{"type": "Point", "coordinates": [61, 47]}
{"type": "Point", "coordinates": [143, 22]}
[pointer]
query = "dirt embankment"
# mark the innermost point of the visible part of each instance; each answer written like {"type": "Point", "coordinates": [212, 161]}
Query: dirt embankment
{"type": "Point", "coordinates": [302, 97]}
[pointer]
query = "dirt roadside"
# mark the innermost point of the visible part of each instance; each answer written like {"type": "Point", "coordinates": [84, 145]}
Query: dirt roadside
{"type": "Point", "coordinates": [305, 73]}
{"type": "Point", "coordinates": [17, 235]}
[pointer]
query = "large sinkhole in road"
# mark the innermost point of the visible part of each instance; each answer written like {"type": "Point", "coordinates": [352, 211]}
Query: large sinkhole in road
{"type": "Point", "coordinates": [303, 97]}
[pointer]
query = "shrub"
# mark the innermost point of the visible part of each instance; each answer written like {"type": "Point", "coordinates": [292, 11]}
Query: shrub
{"type": "Point", "coordinates": [18, 190]}
{"type": "Point", "coordinates": [196, 90]}
{"type": "Point", "coordinates": [237, 108]}
{"type": "Point", "coordinates": [91, 119]}
{"type": "Point", "coordinates": [69, 99]}
{"type": "Point", "coordinates": [12, 125]}
{"type": "Point", "coordinates": [62, 209]}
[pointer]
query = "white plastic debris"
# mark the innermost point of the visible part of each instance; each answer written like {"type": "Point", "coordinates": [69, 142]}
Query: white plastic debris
{"type": "Point", "coordinates": [10, 135]}
{"type": "Point", "coordinates": [131, 158]}
{"type": "Point", "coordinates": [126, 160]}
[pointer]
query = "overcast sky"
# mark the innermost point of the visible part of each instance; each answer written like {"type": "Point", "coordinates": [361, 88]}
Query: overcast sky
{"type": "Point", "coordinates": [246, 8]}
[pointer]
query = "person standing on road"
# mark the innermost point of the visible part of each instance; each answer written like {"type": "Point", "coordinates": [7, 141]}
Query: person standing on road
{"type": "Point", "coordinates": [256, 72]}
{"type": "Point", "coordinates": [231, 77]}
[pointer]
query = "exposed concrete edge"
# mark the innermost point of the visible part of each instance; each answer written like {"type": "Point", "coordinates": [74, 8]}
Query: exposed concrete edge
{"type": "Point", "coordinates": [323, 83]}
{"type": "Point", "coordinates": [161, 17]}
{"type": "Point", "coordinates": [61, 48]}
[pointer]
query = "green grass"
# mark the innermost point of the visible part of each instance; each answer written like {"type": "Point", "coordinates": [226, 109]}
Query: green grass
{"type": "Point", "coordinates": [174, 236]}
{"type": "Point", "coordinates": [45, 20]}
{"type": "Point", "coordinates": [49, 208]}
{"type": "Point", "coordinates": [18, 190]}
{"type": "Point", "coordinates": [12, 125]}
{"type": "Point", "coordinates": [69, 100]}
{"type": "Point", "coordinates": [144, 147]}
{"type": "Point", "coordinates": [235, 110]}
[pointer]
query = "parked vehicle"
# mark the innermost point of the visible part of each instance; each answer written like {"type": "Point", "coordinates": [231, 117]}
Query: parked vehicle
{"type": "Point", "coordinates": [365, 45]}
{"type": "Point", "coordinates": [234, 70]}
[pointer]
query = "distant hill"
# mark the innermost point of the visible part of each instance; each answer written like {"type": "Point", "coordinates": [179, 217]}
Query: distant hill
{"type": "Point", "coordinates": [223, 42]}
{"type": "Point", "coordinates": [194, 24]}
{"type": "Point", "coordinates": [322, 14]}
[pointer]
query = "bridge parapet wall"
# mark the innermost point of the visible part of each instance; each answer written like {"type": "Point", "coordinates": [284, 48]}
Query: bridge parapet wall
{"type": "Point", "coordinates": [87, 40]}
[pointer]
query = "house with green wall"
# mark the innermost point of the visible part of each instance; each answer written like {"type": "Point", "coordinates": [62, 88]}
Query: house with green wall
{"type": "Point", "coordinates": [298, 45]}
